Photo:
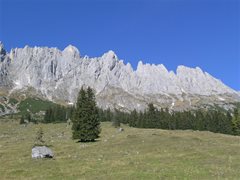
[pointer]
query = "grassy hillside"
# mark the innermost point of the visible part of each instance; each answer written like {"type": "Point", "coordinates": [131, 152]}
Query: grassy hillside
{"type": "Point", "coordinates": [132, 154]}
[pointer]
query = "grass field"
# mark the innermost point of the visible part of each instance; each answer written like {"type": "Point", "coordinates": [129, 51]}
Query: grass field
{"type": "Point", "coordinates": [132, 154]}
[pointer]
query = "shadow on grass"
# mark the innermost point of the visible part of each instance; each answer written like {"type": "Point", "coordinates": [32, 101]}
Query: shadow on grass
{"type": "Point", "coordinates": [89, 141]}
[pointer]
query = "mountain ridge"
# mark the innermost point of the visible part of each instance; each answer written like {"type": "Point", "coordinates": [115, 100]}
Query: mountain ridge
{"type": "Point", "coordinates": [57, 75]}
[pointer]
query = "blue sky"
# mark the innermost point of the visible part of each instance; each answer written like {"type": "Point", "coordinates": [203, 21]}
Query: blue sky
{"type": "Point", "coordinates": [204, 33]}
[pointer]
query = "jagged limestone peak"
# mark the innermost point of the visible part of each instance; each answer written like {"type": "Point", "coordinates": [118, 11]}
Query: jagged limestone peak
{"type": "Point", "coordinates": [109, 55]}
{"type": "Point", "coordinates": [71, 51]}
{"type": "Point", "coordinates": [58, 75]}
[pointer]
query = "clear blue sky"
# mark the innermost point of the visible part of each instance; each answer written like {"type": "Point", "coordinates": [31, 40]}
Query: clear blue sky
{"type": "Point", "coordinates": [204, 33]}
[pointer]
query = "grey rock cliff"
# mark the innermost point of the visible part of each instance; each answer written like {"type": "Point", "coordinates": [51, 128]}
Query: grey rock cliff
{"type": "Point", "coordinates": [58, 75]}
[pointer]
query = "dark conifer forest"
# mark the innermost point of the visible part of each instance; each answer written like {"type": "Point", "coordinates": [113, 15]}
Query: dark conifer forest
{"type": "Point", "coordinates": [214, 120]}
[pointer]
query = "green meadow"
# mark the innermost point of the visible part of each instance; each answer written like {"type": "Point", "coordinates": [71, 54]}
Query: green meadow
{"type": "Point", "coordinates": [131, 154]}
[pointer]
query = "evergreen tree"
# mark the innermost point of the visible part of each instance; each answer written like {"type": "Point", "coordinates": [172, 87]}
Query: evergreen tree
{"type": "Point", "coordinates": [29, 117]}
{"type": "Point", "coordinates": [22, 120]}
{"type": "Point", "coordinates": [163, 118]}
{"type": "Point", "coordinates": [79, 116]}
{"type": "Point", "coordinates": [86, 124]}
{"type": "Point", "coordinates": [39, 138]}
{"type": "Point", "coordinates": [47, 116]}
{"type": "Point", "coordinates": [236, 122]}
{"type": "Point", "coordinates": [116, 120]}
{"type": "Point", "coordinates": [151, 117]}
{"type": "Point", "coordinates": [133, 119]}
{"type": "Point", "coordinates": [199, 123]}
{"type": "Point", "coordinates": [57, 113]}
{"type": "Point", "coordinates": [51, 114]}
{"type": "Point", "coordinates": [93, 119]}
{"type": "Point", "coordinates": [226, 125]}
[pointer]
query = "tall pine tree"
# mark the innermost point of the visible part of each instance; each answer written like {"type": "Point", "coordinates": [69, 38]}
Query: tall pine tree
{"type": "Point", "coordinates": [86, 123]}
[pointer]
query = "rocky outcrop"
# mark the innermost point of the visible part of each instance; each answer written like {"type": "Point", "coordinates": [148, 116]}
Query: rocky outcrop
{"type": "Point", "coordinates": [41, 152]}
{"type": "Point", "coordinates": [7, 106]}
{"type": "Point", "coordinates": [58, 75]}
{"type": "Point", "coordinates": [4, 65]}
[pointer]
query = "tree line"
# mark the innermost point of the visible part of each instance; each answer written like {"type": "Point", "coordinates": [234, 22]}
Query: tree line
{"type": "Point", "coordinates": [86, 114]}
{"type": "Point", "coordinates": [58, 113]}
{"type": "Point", "coordinates": [213, 120]}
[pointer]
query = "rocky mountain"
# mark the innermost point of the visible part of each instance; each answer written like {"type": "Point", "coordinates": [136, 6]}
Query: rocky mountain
{"type": "Point", "coordinates": [58, 75]}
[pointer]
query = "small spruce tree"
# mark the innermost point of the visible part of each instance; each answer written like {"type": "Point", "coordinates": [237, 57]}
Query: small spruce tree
{"type": "Point", "coordinates": [39, 138]}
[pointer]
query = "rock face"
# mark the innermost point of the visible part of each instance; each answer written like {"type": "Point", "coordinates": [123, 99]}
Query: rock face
{"type": "Point", "coordinates": [4, 65]}
{"type": "Point", "coordinates": [58, 75]}
{"type": "Point", "coordinates": [41, 152]}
